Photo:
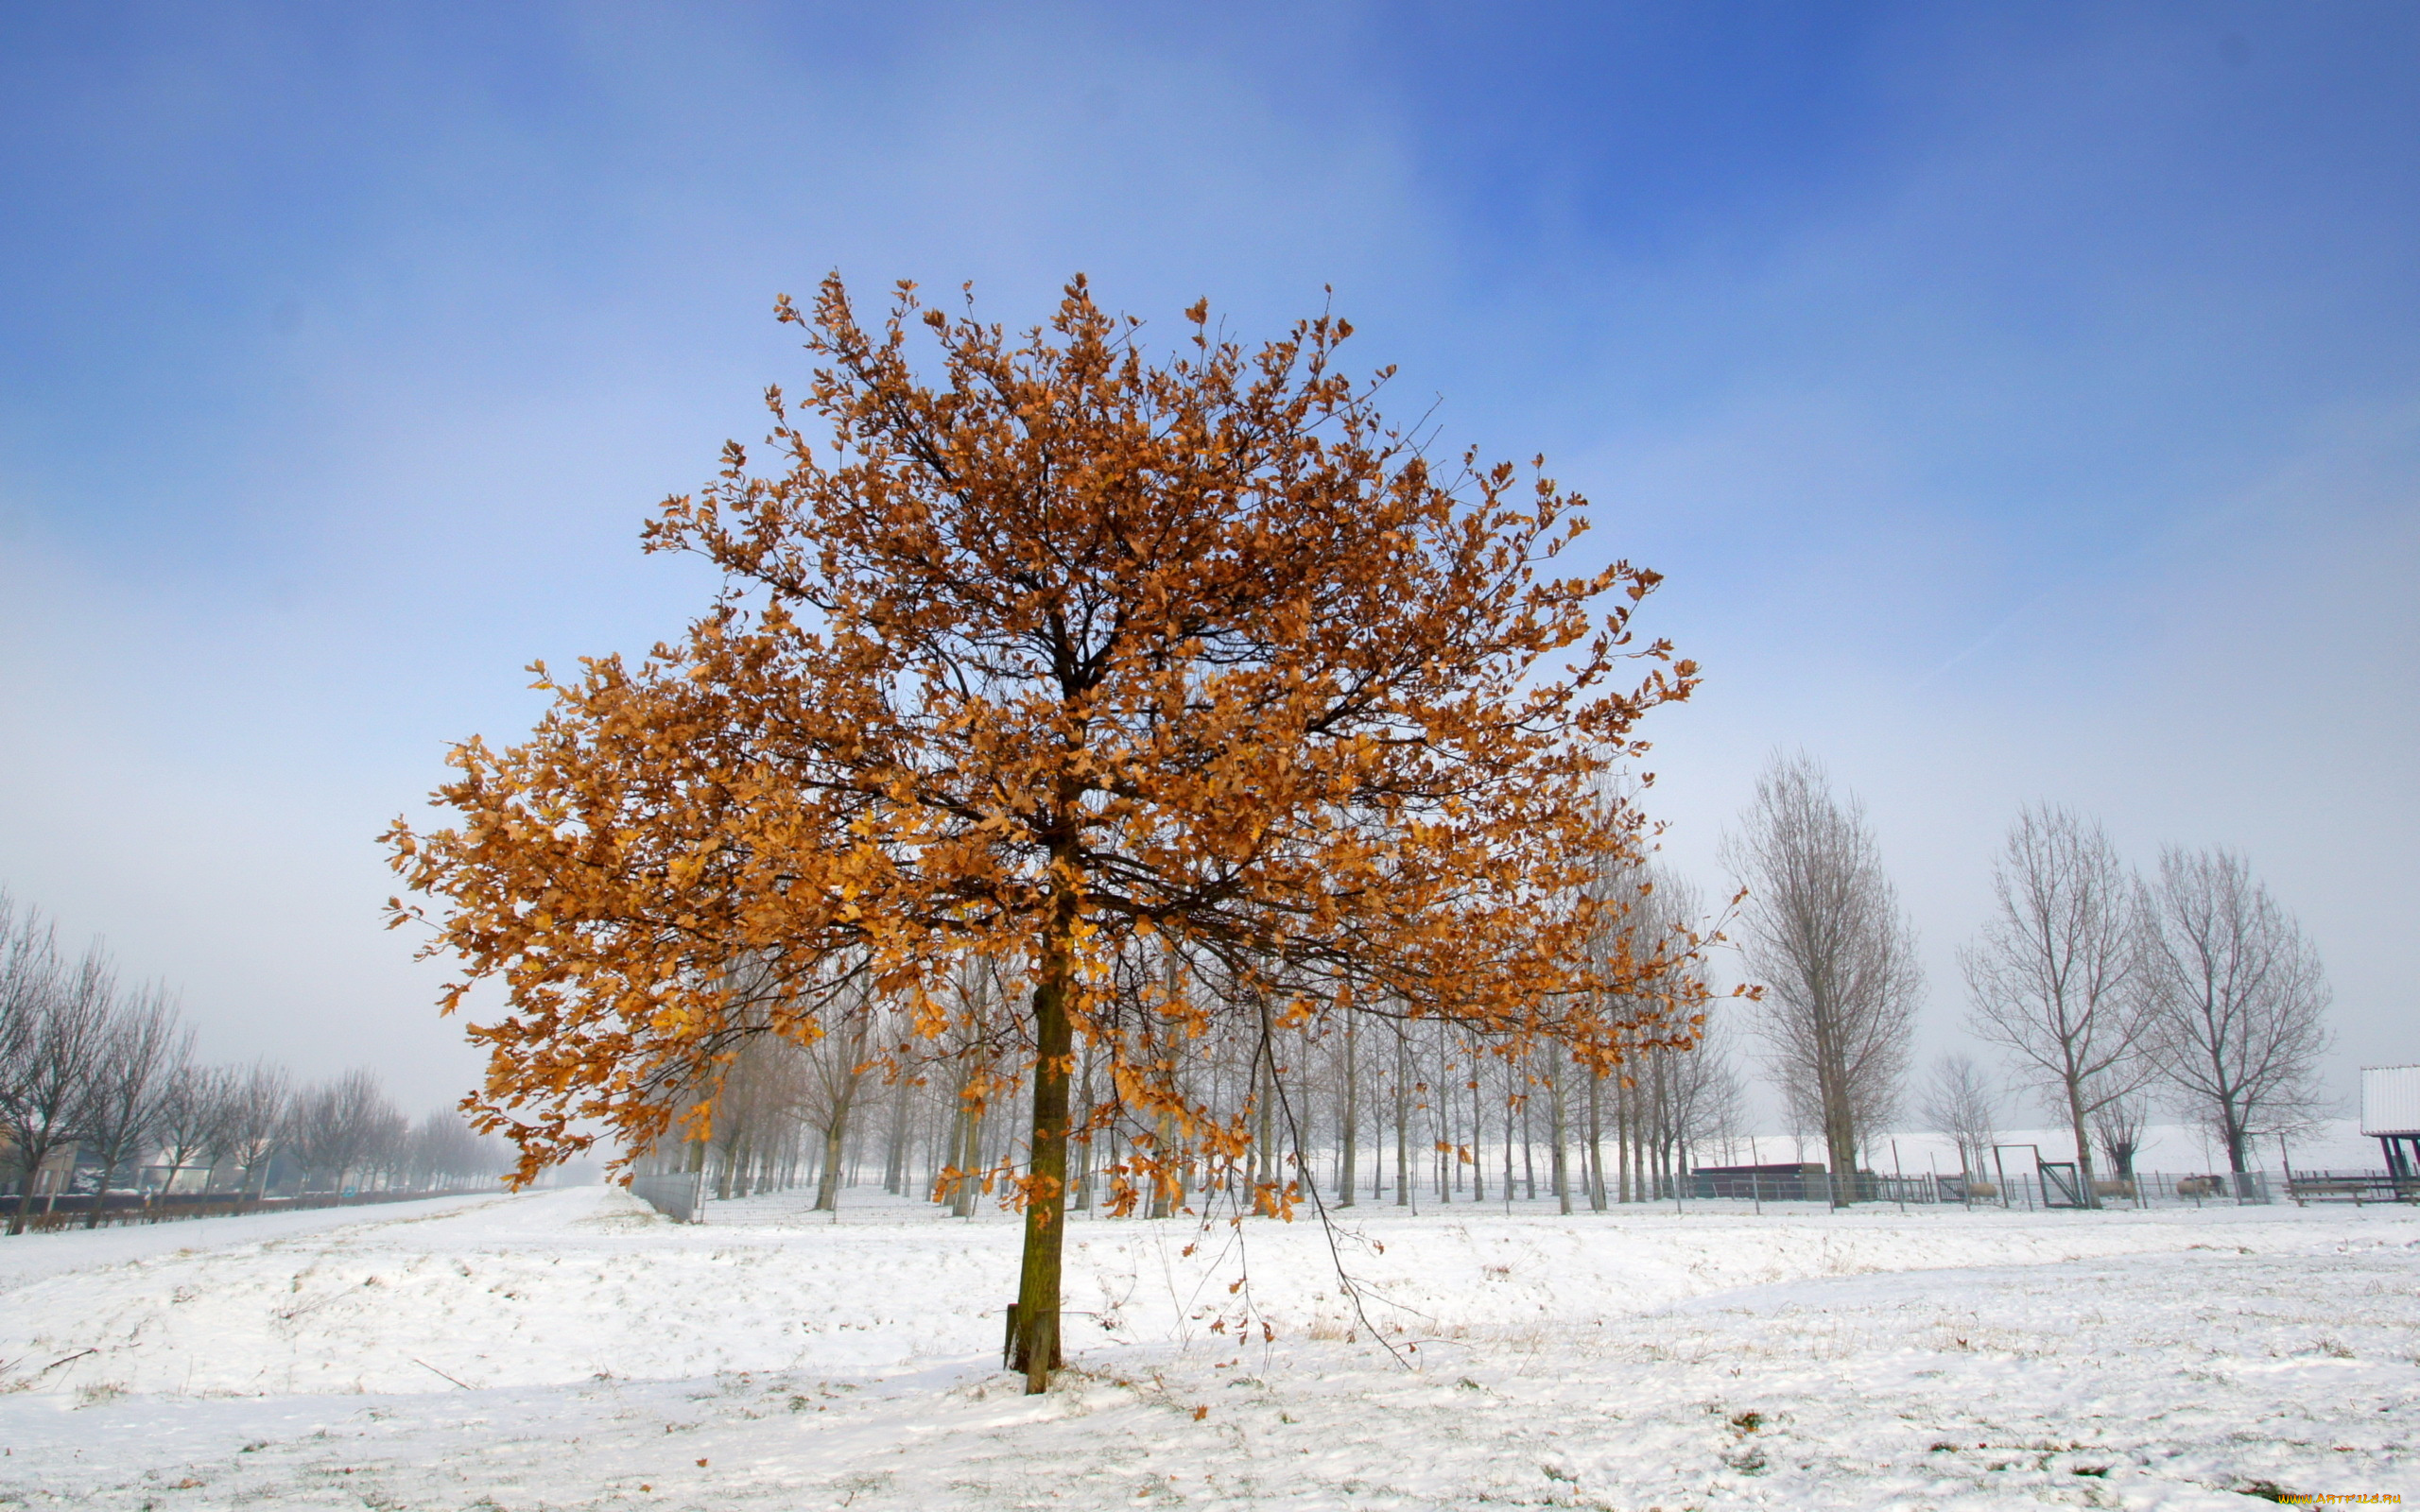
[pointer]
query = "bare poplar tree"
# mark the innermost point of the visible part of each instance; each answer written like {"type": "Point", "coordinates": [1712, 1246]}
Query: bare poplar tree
{"type": "Point", "coordinates": [1677, 1097]}
{"type": "Point", "coordinates": [29, 981]}
{"type": "Point", "coordinates": [836, 1067]}
{"type": "Point", "coordinates": [386, 1143]}
{"type": "Point", "coordinates": [1823, 931]}
{"type": "Point", "coordinates": [442, 1150]}
{"type": "Point", "coordinates": [28, 973]}
{"type": "Point", "coordinates": [252, 1126]}
{"type": "Point", "coordinates": [2050, 978]}
{"type": "Point", "coordinates": [1959, 1102]}
{"type": "Point", "coordinates": [340, 1127]}
{"type": "Point", "coordinates": [188, 1115]}
{"type": "Point", "coordinates": [140, 1048]}
{"type": "Point", "coordinates": [1702, 1100]}
{"type": "Point", "coordinates": [1694, 1096]}
{"type": "Point", "coordinates": [2238, 999]}
{"type": "Point", "coordinates": [46, 1087]}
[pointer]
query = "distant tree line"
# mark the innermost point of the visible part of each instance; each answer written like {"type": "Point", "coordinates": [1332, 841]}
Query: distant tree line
{"type": "Point", "coordinates": [1374, 1105]}
{"type": "Point", "coordinates": [2110, 996]}
{"type": "Point", "coordinates": [99, 1092]}
{"type": "Point", "coordinates": [1381, 1110]}
{"type": "Point", "coordinates": [2107, 993]}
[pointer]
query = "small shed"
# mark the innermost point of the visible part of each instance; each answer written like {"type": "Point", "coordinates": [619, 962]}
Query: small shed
{"type": "Point", "coordinates": [1770, 1183]}
{"type": "Point", "coordinates": [2390, 1114]}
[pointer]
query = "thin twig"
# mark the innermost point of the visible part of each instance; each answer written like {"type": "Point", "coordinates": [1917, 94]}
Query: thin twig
{"type": "Point", "coordinates": [433, 1370]}
{"type": "Point", "coordinates": [1345, 1281]}
{"type": "Point", "coordinates": [56, 1364]}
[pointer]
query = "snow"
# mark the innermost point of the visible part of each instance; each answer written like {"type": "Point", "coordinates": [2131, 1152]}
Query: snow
{"type": "Point", "coordinates": [568, 1348]}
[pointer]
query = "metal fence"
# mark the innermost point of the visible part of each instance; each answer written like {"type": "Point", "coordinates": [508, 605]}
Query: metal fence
{"type": "Point", "coordinates": [679, 1195]}
{"type": "Point", "coordinates": [74, 1209]}
{"type": "Point", "coordinates": [2146, 1188]}
{"type": "Point", "coordinates": [2355, 1187]}
{"type": "Point", "coordinates": [2054, 1187]}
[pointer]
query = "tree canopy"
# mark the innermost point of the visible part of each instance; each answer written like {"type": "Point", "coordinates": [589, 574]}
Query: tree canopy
{"type": "Point", "coordinates": [1117, 673]}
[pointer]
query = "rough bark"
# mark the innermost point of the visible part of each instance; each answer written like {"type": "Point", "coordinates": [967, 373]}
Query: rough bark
{"type": "Point", "coordinates": [1038, 1288]}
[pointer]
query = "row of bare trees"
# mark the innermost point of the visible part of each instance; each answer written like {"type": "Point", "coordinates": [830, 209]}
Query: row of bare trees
{"type": "Point", "coordinates": [2107, 993]}
{"type": "Point", "coordinates": [99, 1075]}
{"type": "Point", "coordinates": [1821, 931]}
{"type": "Point", "coordinates": [1379, 1111]}
{"type": "Point", "coordinates": [1372, 1106]}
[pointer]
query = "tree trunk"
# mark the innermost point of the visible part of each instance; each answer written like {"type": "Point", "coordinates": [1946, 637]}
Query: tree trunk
{"type": "Point", "coordinates": [2083, 1143]}
{"type": "Point", "coordinates": [1478, 1133]}
{"type": "Point", "coordinates": [2231, 1130]}
{"type": "Point", "coordinates": [1449, 1170]}
{"type": "Point", "coordinates": [1528, 1139]}
{"type": "Point", "coordinates": [1082, 1198]}
{"type": "Point", "coordinates": [1168, 1189]}
{"type": "Point", "coordinates": [1555, 1129]}
{"type": "Point", "coordinates": [1378, 1160]}
{"type": "Point", "coordinates": [1622, 1140]}
{"type": "Point", "coordinates": [1403, 1121]}
{"type": "Point", "coordinates": [1840, 1126]}
{"type": "Point", "coordinates": [1168, 1185]}
{"type": "Point", "coordinates": [1595, 1142]}
{"type": "Point", "coordinates": [1509, 1096]}
{"type": "Point", "coordinates": [1350, 1127]}
{"type": "Point", "coordinates": [110, 1162]}
{"type": "Point", "coordinates": [894, 1161]}
{"type": "Point", "coordinates": [29, 1161]}
{"type": "Point", "coordinates": [827, 1191]}
{"type": "Point", "coordinates": [1037, 1347]}
{"type": "Point", "coordinates": [946, 1142]}
{"type": "Point", "coordinates": [1264, 1095]}
{"type": "Point", "coordinates": [968, 1157]}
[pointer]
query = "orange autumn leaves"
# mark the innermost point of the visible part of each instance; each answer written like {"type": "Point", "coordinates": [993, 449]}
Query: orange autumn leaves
{"type": "Point", "coordinates": [1045, 652]}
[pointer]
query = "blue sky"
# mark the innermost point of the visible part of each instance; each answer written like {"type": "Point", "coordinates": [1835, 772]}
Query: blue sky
{"type": "Point", "coordinates": [2023, 399]}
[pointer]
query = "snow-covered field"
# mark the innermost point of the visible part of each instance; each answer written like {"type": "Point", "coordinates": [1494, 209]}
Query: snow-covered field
{"type": "Point", "coordinates": [569, 1349]}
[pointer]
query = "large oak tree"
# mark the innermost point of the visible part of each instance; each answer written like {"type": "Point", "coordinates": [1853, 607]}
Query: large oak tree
{"type": "Point", "coordinates": [1051, 654]}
